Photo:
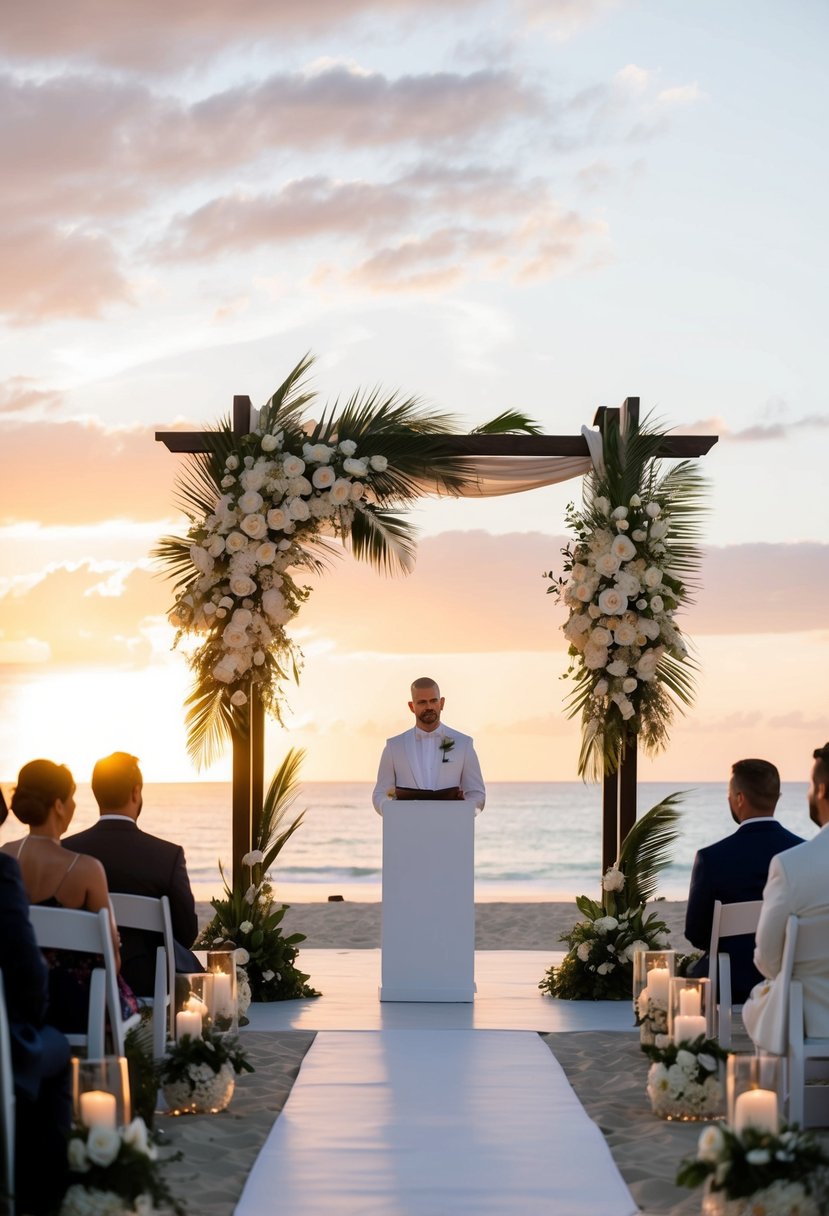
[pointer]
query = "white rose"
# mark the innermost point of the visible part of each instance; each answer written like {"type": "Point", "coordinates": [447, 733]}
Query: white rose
{"type": "Point", "coordinates": [583, 951]}
{"type": "Point", "coordinates": [323, 477]}
{"type": "Point", "coordinates": [135, 1134]}
{"type": "Point", "coordinates": [625, 635]}
{"type": "Point", "coordinates": [629, 685]}
{"type": "Point", "coordinates": [355, 467]}
{"type": "Point", "coordinates": [600, 636]}
{"type": "Point", "coordinates": [267, 976]}
{"type": "Point", "coordinates": [241, 585]}
{"type": "Point", "coordinates": [259, 658]}
{"type": "Point", "coordinates": [634, 501]}
{"type": "Point", "coordinates": [659, 529]}
{"type": "Point", "coordinates": [292, 466]}
{"type": "Point", "coordinates": [298, 509]}
{"type": "Point", "coordinates": [638, 535]}
{"type": "Point", "coordinates": [277, 519]}
{"type": "Point", "coordinates": [602, 505]}
{"type": "Point", "coordinates": [647, 665]}
{"type": "Point", "coordinates": [653, 509]}
{"type": "Point", "coordinates": [254, 858]}
{"type": "Point", "coordinates": [617, 668]}
{"type": "Point", "coordinates": [225, 670]}
{"type": "Point", "coordinates": [273, 605]}
{"type": "Point", "coordinates": [254, 526]}
{"type": "Point", "coordinates": [340, 492]}
{"type": "Point", "coordinates": [604, 924]}
{"type": "Point", "coordinates": [234, 635]}
{"type": "Point", "coordinates": [633, 947]}
{"type": "Point", "coordinates": [201, 559]}
{"type": "Point", "coordinates": [102, 1145]}
{"type": "Point", "coordinates": [252, 480]}
{"type": "Point", "coordinates": [622, 525]}
{"type": "Point", "coordinates": [240, 954]}
{"type": "Point", "coordinates": [269, 443]}
{"type": "Point", "coordinates": [236, 542]}
{"type": "Point", "coordinates": [627, 583]}
{"type": "Point", "coordinates": [242, 617]}
{"type": "Point", "coordinates": [216, 547]}
{"type": "Point", "coordinates": [595, 657]}
{"type": "Point", "coordinates": [378, 463]}
{"type": "Point", "coordinates": [605, 968]}
{"type": "Point", "coordinates": [246, 926]}
{"type": "Point", "coordinates": [612, 602]}
{"type": "Point", "coordinates": [316, 453]}
{"type": "Point", "coordinates": [687, 1061]}
{"type": "Point", "coordinates": [623, 548]}
{"type": "Point", "coordinates": [227, 481]}
{"type": "Point", "coordinates": [613, 879]}
{"type": "Point", "coordinates": [239, 698]}
{"type": "Point", "coordinates": [348, 447]}
{"type": "Point", "coordinates": [619, 513]}
{"type": "Point", "coordinates": [649, 628]}
{"type": "Point", "coordinates": [266, 553]}
{"type": "Point", "coordinates": [652, 577]}
{"type": "Point", "coordinates": [232, 462]}
{"type": "Point", "coordinates": [357, 491]}
{"type": "Point", "coordinates": [657, 603]}
{"type": "Point", "coordinates": [76, 1151]}
{"type": "Point", "coordinates": [607, 564]}
{"type": "Point", "coordinates": [250, 502]}
{"type": "Point", "coordinates": [711, 1144]}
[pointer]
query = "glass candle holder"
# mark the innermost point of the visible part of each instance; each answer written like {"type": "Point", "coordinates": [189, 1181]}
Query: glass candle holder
{"type": "Point", "coordinates": [101, 1092]}
{"type": "Point", "coordinates": [755, 1088]}
{"type": "Point", "coordinates": [221, 964]}
{"type": "Point", "coordinates": [194, 1004]}
{"type": "Point", "coordinates": [688, 1008]}
{"type": "Point", "coordinates": [652, 970]}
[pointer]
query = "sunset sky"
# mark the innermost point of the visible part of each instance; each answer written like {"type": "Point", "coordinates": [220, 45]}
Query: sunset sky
{"type": "Point", "coordinates": [547, 205]}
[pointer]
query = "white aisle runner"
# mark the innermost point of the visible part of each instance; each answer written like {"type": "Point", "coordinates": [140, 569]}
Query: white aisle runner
{"type": "Point", "coordinates": [433, 1123]}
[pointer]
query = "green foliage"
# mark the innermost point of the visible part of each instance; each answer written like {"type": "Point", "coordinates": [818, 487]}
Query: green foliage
{"type": "Point", "coordinates": [212, 1049]}
{"type": "Point", "coordinates": [741, 1165]}
{"type": "Point", "coordinates": [143, 1068]}
{"type": "Point", "coordinates": [247, 917]}
{"type": "Point", "coordinates": [598, 965]}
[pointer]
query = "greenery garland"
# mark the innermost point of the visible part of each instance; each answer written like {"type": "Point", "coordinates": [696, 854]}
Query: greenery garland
{"type": "Point", "coordinates": [627, 574]}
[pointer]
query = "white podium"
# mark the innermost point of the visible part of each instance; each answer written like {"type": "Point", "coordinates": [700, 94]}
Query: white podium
{"type": "Point", "coordinates": [428, 911]}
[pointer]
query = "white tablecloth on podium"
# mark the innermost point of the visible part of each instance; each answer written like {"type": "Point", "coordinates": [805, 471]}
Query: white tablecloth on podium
{"type": "Point", "coordinates": [433, 1123]}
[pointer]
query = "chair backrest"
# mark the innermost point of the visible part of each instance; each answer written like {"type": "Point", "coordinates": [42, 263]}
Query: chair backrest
{"type": "Point", "coordinates": [90, 933]}
{"type": "Point", "coordinates": [6, 1098]}
{"type": "Point", "coordinates": [806, 939]}
{"type": "Point", "coordinates": [729, 920]}
{"type": "Point", "coordinates": [153, 916]}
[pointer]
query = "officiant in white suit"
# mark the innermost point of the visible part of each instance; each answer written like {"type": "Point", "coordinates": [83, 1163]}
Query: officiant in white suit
{"type": "Point", "coordinates": [430, 761]}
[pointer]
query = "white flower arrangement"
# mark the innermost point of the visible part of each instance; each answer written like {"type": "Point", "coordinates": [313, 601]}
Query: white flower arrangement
{"type": "Point", "coordinates": [684, 1080]}
{"type": "Point", "coordinates": [623, 585]}
{"type": "Point", "coordinates": [113, 1172]}
{"type": "Point", "coordinates": [651, 1016]}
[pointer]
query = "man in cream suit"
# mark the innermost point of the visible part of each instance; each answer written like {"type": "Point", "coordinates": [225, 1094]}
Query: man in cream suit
{"type": "Point", "coordinates": [430, 758]}
{"type": "Point", "coordinates": [798, 885]}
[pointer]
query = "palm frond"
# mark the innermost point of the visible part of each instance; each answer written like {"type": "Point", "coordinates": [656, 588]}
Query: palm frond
{"type": "Point", "coordinates": [280, 797]}
{"type": "Point", "coordinates": [209, 723]}
{"type": "Point", "coordinates": [510, 422]}
{"type": "Point", "coordinates": [285, 406]}
{"type": "Point", "coordinates": [383, 539]}
{"type": "Point", "coordinates": [646, 849]}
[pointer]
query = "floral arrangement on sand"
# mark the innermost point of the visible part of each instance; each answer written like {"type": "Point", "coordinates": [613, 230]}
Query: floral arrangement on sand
{"type": "Point", "coordinates": [757, 1173]}
{"type": "Point", "coordinates": [198, 1072]}
{"type": "Point", "coordinates": [248, 916]}
{"type": "Point", "coordinates": [626, 576]}
{"type": "Point", "coordinates": [598, 965]}
{"type": "Point", "coordinates": [684, 1079]}
{"type": "Point", "coordinates": [114, 1172]}
{"type": "Point", "coordinates": [264, 509]}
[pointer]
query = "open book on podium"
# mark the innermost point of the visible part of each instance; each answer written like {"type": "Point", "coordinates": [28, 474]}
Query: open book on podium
{"type": "Point", "coordinates": [428, 911]}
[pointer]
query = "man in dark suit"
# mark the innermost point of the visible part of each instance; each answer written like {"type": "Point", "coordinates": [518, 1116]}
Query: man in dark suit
{"type": "Point", "coordinates": [735, 869]}
{"type": "Point", "coordinates": [40, 1054]}
{"type": "Point", "coordinates": [138, 864]}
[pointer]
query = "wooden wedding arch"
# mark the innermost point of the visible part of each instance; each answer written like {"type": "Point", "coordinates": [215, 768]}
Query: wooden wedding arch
{"type": "Point", "coordinates": [618, 788]}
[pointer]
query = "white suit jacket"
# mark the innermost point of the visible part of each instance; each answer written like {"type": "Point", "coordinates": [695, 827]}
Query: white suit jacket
{"type": "Point", "coordinates": [798, 885]}
{"type": "Point", "coordinates": [398, 766]}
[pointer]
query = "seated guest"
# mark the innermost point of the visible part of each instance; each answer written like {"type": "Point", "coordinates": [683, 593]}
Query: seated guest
{"type": "Point", "coordinates": [798, 885]}
{"type": "Point", "coordinates": [735, 869]}
{"type": "Point", "coordinates": [40, 1054]}
{"type": "Point", "coordinates": [53, 877]}
{"type": "Point", "coordinates": [137, 863]}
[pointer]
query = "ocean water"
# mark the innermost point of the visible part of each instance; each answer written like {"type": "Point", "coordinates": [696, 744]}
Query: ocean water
{"type": "Point", "coordinates": [534, 840]}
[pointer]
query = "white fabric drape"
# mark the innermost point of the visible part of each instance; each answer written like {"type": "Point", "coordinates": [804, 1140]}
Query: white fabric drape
{"type": "Point", "coordinates": [495, 475]}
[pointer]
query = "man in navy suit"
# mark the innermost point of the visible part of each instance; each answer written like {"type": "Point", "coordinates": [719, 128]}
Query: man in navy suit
{"type": "Point", "coordinates": [735, 869]}
{"type": "Point", "coordinates": [137, 863]}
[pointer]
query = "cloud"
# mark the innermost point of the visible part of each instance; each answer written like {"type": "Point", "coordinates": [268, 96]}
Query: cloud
{"type": "Point", "coordinates": [155, 36]}
{"type": "Point", "coordinates": [20, 395]}
{"type": "Point", "coordinates": [48, 274]}
{"type": "Point", "coordinates": [758, 432]}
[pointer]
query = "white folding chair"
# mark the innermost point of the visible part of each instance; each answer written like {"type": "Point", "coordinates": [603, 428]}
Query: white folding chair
{"type": "Point", "coordinates": [153, 916]}
{"type": "Point", "coordinates": [6, 1103]}
{"type": "Point", "coordinates": [806, 940]}
{"type": "Point", "coordinates": [90, 933]}
{"type": "Point", "coordinates": [730, 920]}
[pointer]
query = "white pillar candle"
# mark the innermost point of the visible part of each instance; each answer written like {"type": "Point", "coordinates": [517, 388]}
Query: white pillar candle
{"type": "Point", "coordinates": [98, 1109]}
{"type": "Point", "coordinates": [688, 1027]}
{"type": "Point", "coordinates": [756, 1108]}
{"type": "Point", "coordinates": [658, 984]}
{"type": "Point", "coordinates": [188, 1021]}
{"type": "Point", "coordinates": [689, 1001]}
{"type": "Point", "coordinates": [222, 1001]}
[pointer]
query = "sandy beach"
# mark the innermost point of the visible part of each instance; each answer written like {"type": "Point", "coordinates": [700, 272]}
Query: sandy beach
{"type": "Point", "coordinates": [498, 926]}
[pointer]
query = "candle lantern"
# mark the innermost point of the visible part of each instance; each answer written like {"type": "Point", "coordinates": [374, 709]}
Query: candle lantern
{"type": "Point", "coordinates": [755, 1086]}
{"type": "Point", "coordinates": [688, 1007]}
{"type": "Point", "coordinates": [194, 1004]}
{"type": "Point", "coordinates": [221, 964]}
{"type": "Point", "coordinates": [652, 969]}
{"type": "Point", "coordinates": [101, 1092]}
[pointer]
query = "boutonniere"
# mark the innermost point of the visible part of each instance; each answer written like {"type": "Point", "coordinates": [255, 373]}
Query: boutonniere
{"type": "Point", "coordinates": [446, 745]}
